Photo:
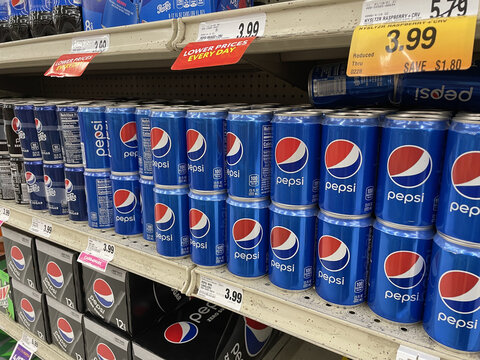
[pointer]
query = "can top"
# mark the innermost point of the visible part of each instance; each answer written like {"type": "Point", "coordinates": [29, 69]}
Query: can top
{"type": "Point", "coordinates": [250, 115]}
{"type": "Point", "coordinates": [344, 216]}
{"type": "Point", "coordinates": [261, 203]}
{"type": "Point", "coordinates": [118, 175]}
{"type": "Point", "coordinates": [404, 227]}
{"type": "Point", "coordinates": [345, 220]}
{"type": "Point", "coordinates": [352, 114]}
{"type": "Point", "coordinates": [34, 162]}
{"type": "Point", "coordinates": [92, 108]}
{"type": "Point", "coordinates": [120, 108]}
{"type": "Point", "coordinates": [297, 117]}
{"type": "Point", "coordinates": [146, 180]}
{"type": "Point", "coordinates": [53, 164]}
{"type": "Point", "coordinates": [207, 112]}
{"type": "Point", "coordinates": [302, 211]}
{"type": "Point", "coordinates": [168, 111]}
{"type": "Point", "coordinates": [208, 195]}
{"type": "Point", "coordinates": [248, 200]}
{"type": "Point", "coordinates": [418, 116]}
{"type": "Point", "coordinates": [264, 105]}
{"type": "Point", "coordinates": [466, 244]}
{"type": "Point", "coordinates": [471, 118]}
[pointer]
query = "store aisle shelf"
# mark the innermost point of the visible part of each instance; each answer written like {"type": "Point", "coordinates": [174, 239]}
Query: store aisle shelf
{"type": "Point", "coordinates": [131, 253]}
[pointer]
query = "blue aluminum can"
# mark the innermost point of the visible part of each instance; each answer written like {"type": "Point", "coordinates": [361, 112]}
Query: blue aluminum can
{"type": "Point", "coordinates": [148, 206]}
{"type": "Point", "coordinates": [398, 271]}
{"type": "Point", "coordinates": [409, 170]}
{"type": "Point", "coordinates": [459, 206]}
{"type": "Point", "coordinates": [248, 154]}
{"type": "Point", "coordinates": [292, 247]}
{"type": "Point", "coordinates": [76, 197]}
{"type": "Point", "coordinates": [207, 217]}
{"type": "Point", "coordinates": [93, 132]}
{"type": "Point", "coordinates": [296, 158]}
{"type": "Point", "coordinates": [342, 257]}
{"type": "Point", "coordinates": [349, 164]}
{"type": "Point", "coordinates": [145, 161]}
{"type": "Point", "coordinates": [169, 147]}
{"type": "Point", "coordinates": [98, 188]}
{"type": "Point", "coordinates": [126, 204]}
{"type": "Point", "coordinates": [48, 132]}
{"type": "Point", "coordinates": [452, 304]}
{"type": "Point", "coordinates": [54, 179]}
{"type": "Point", "coordinates": [70, 129]}
{"type": "Point", "coordinates": [206, 149]}
{"type": "Point", "coordinates": [35, 184]}
{"type": "Point", "coordinates": [23, 124]}
{"type": "Point", "coordinates": [247, 237]}
{"type": "Point", "coordinates": [172, 232]}
{"type": "Point", "coordinates": [122, 138]}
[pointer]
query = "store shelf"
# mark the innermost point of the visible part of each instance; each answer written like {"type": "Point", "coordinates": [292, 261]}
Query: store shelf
{"type": "Point", "coordinates": [131, 253]}
{"type": "Point", "coordinates": [355, 332]}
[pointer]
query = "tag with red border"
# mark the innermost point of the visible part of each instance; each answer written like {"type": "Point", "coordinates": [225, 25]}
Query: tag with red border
{"type": "Point", "coordinates": [70, 65]}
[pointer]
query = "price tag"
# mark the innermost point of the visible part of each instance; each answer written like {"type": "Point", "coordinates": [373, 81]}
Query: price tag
{"type": "Point", "coordinates": [232, 28]}
{"type": "Point", "coordinates": [24, 349]}
{"type": "Point", "coordinates": [97, 255]}
{"type": "Point", "coordinates": [91, 44]}
{"type": "Point", "coordinates": [226, 295]}
{"type": "Point", "coordinates": [4, 215]}
{"type": "Point", "coordinates": [406, 353]}
{"type": "Point", "coordinates": [40, 227]}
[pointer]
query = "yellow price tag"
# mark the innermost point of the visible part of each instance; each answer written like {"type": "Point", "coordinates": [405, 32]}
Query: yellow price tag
{"type": "Point", "coordinates": [436, 44]}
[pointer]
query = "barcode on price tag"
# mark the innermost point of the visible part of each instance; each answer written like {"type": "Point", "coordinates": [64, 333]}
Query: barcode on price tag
{"type": "Point", "coordinates": [97, 254]}
{"type": "Point", "coordinates": [41, 227]}
{"type": "Point", "coordinates": [232, 28]}
{"type": "Point", "coordinates": [221, 293]}
{"type": "Point", "coordinates": [4, 214]}
{"type": "Point", "coordinates": [91, 44]}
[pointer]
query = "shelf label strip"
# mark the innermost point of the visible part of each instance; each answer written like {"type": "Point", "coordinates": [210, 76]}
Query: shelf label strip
{"type": "Point", "coordinates": [91, 44]}
{"type": "Point", "coordinates": [232, 28]}
{"type": "Point", "coordinates": [227, 295]}
{"type": "Point", "coordinates": [4, 215]}
{"type": "Point", "coordinates": [97, 254]}
{"type": "Point", "coordinates": [41, 227]}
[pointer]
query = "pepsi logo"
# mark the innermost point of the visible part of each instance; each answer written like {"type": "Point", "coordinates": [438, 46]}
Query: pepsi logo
{"type": "Point", "coordinates": [247, 233]}
{"type": "Point", "coordinates": [343, 159]}
{"type": "Point", "coordinates": [460, 291]}
{"type": "Point", "coordinates": [128, 134]}
{"type": "Point", "coordinates": [161, 142]}
{"type": "Point", "coordinates": [104, 352]}
{"type": "Point", "coordinates": [99, 135]}
{"type": "Point", "coordinates": [38, 125]}
{"type": "Point", "coordinates": [284, 243]}
{"type": "Point", "coordinates": [103, 292]}
{"type": "Point", "coordinates": [48, 181]}
{"type": "Point", "coordinates": [17, 257]}
{"type": "Point", "coordinates": [333, 253]}
{"type": "Point", "coordinates": [65, 330]}
{"type": "Point", "coordinates": [124, 200]}
{"type": "Point", "coordinates": [16, 124]}
{"type": "Point", "coordinates": [234, 149]}
{"type": "Point", "coordinates": [466, 175]}
{"type": "Point", "coordinates": [164, 217]}
{"type": "Point", "coordinates": [181, 332]}
{"type": "Point", "coordinates": [196, 145]}
{"type": "Point", "coordinates": [18, 4]}
{"type": "Point", "coordinates": [199, 223]}
{"type": "Point", "coordinates": [68, 186]}
{"type": "Point", "coordinates": [404, 269]}
{"type": "Point", "coordinates": [27, 310]}
{"type": "Point", "coordinates": [409, 166]}
{"type": "Point", "coordinates": [256, 336]}
{"type": "Point", "coordinates": [30, 178]}
{"type": "Point", "coordinates": [291, 154]}
{"type": "Point", "coordinates": [54, 274]}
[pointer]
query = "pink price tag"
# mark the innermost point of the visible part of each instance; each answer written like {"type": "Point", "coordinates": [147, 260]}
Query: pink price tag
{"type": "Point", "coordinates": [93, 261]}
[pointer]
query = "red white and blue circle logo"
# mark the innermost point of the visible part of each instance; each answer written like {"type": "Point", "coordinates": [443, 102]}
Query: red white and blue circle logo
{"type": "Point", "coordinates": [283, 242]}
{"type": "Point", "coordinates": [65, 330]}
{"type": "Point", "coordinates": [343, 159]}
{"type": "Point", "coordinates": [181, 332]}
{"type": "Point", "coordinates": [124, 200]}
{"type": "Point", "coordinates": [291, 154]}
{"type": "Point", "coordinates": [128, 134]}
{"type": "Point", "coordinates": [99, 135]}
{"type": "Point", "coordinates": [68, 186]}
{"type": "Point", "coordinates": [30, 178]}
{"type": "Point", "coordinates": [333, 253]}
{"type": "Point", "coordinates": [54, 274]}
{"type": "Point", "coordinates": [104, 352]}
{"type": "Point", "coordinates": [27, 309]}
{"type": "Point", "coordinates": [16, 123]}
{"type": "Point", "coordinates": [17, 257]}
{"type": "Point", "coordinates": [199, 223]}
{"type": "Point", "coordinates": [48, 181]}
{"type": "Point", "coordinates": [38, 125]}
{"type": "Point", "coordinates": [234, 149]}
{"type": "Point", "coordinates": [161, 142]}
{"type": "Point", "coordinates": [103, 292]}
{"type": "Point", "coordinates": [409, 166]}
{"type": "Point", "coordinates": [256, 336]}
{"type": "Point", "coordinates": [18, 4]}
{"type": "Point", "coordinates": [196, 145]}
{"type": "Point", "coordinates": [460, 291]}
{"type": "Point", "coordinates": [466, 175]}
{"type": "Point", "coordinates": [405, 269]}
{"type": "Point", "coordinates": [247, 233]}
{"type": "Point", "coordinates": [164, 217]}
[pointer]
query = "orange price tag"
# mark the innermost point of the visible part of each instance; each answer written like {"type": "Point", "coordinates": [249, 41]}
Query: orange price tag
{"type": "Point", "coordinates": [436, 44]}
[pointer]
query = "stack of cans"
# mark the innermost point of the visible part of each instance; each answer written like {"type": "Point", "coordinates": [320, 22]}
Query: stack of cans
{"type": "Point", "coordinates": [7, 191]}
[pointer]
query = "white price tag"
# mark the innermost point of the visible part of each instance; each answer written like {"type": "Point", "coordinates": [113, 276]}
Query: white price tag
{"type": "Point", "coordinates": [232, 28]}
{"type": "Point", "coordinates": [30, 342]}
{"type": "Point", "coordinates": [25, 348]}
{"type": "Point", "coordinates": [91, 44]}
{"type": "Point", "coordinates": [97, 254]}
{"type": "Point", "coordinates": [40, 227]}
{"type": "Point", "coordinates": [4, 215]}
{"type": "Point", "coordinates": [227, 295]}
{"type": "Point", "coordinates": [406, 353]}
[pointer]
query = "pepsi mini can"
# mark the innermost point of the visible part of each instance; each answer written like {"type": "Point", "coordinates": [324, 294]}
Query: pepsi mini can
{"type": "Point", "coordinates": [452, 304]}
{"type": "Point", "coordinates": [126, 204]}
{"type": "Point", "coordinates": [35, 184]}
{"type": "Point", "coordinates": [172, 233]}
{"type": "Point", "coordinates": [76, 196]}
{"type": "Point", "coordinates": [409, 171]}
{"type": "Point", "coordinates": [54, 178]}
{"type": "Point", "coordinates": [122, 138]}
{"type": "Point", "coordinates": [93, 132]}
{"type": "Point", "coordinates": [145, 161]}
{"type": "Point", "coordinates": [148, 205]}
{"type": "Point", "coordinates": [98, 189]}
{"type": "Point", "coordinates": [296, 158]}
{"type": "Point", "coordinates": [398, 271]}
{"type": "Point", "coordinates": [206, 149]}
{"type": "Point", "coordinates": [48, 132]}
{"type": "Point", "coordinates": [23, 124]}
{"type": "Point", "coordinates": [70, 130]}
{"type": "Point", "coordinates": [207, 228]}
{"type": "Point", "coordinates": [349, 164]}
{"type": "Point", "coordinates": [169, 146]}
{"type": "Point", "coordinates": [342, 258]}
{"type": "Point", "coordinates": [247, 237]}
{"type": "Point", "coordinates": [292, 243]}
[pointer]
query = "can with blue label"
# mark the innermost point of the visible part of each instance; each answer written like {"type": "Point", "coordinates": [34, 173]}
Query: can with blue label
{"type": "Point", "coordinates": [70, 130]}
{"type": "Point", "coordinates": [172, 233]}
{"type": "Point", "coordinates": [117, 13]}
{"type": "Point", "coordinates": [35, 184]}
{"type": "Point", "coordinates": [76, 196]}
{"type": "Point", "coordinates": [98, 188]}
{"type": "Point", "coordinates": [145, 162]}
{"type": "Point", "coordinates": [48, 132]}
{"type": "Point", "coordinates": [126, 204]}
{"type": "Point", "coordinates": [93, 132]}
{"type": "Point", "coordinates": [148, 206]}
{"type": "Point", "coordinates": [23, 124]}
{"type": "Point", "coordinates": [342, 257]}
{"type": "Point", "coordinates": [54, 179]}
{"type": "Point", "coordinates": [247, 237]}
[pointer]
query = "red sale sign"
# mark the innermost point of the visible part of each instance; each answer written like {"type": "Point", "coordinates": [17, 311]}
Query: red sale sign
{"type": "Point", "coordinates": [70, 65]}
